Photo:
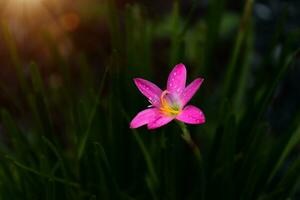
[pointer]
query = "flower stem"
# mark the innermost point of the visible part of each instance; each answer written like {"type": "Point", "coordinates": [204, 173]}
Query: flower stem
{"type": "Point", "coordinates": [186, 136]}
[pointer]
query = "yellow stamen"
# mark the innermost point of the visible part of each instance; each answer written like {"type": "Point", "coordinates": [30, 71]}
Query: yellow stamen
{"type": "Point", "coordinates": [165, 106]}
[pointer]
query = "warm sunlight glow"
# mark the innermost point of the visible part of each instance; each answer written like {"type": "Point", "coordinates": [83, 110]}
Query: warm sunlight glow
{"type": "Point", "coordinates": [32, 2]}
{"type": "Point", "coordinates": [29, 1]}
{"type": "Point", "coordinates": [23, 5]}
{"type": "Point", "coordinates": [25, 17]}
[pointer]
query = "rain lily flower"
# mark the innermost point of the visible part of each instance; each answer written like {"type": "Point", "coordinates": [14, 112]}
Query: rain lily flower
{"type": "Point", "coordinates": [169, 104]}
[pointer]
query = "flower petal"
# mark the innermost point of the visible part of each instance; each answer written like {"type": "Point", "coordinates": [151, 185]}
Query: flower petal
{"type": "Point", "coordinates": [150, 90]}
{"type": "Point", "coordinates": [144, 117]}
{"type": "Point", "coordinates": [177, 79]}
{"type": "Point", "coordinates": [190, 90]}
{"type": "Point", "coordinates": [191, 115]}
{"type": "Point", "coordinates": [159, 121]}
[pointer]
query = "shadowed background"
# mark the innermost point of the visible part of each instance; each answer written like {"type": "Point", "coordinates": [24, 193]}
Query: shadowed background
{"type": "Point", "coordinates": [67, 96]}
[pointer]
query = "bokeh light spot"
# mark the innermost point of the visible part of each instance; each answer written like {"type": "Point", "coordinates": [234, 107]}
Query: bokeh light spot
{"type": "Point", "coordinates": [70, 21]}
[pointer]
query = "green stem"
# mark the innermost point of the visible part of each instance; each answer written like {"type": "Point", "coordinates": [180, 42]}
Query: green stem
{"type": "Point", "coordinates": [186, 136]}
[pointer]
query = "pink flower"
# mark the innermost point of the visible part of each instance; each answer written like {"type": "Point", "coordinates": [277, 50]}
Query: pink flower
{"type": "Point", "coordinates": [169, 104]}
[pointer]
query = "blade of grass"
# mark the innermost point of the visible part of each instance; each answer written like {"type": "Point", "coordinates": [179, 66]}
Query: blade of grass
{"type": "Point", "coordinates": [265, 100]}
{"type": "Point", "coordinates": [175, 40]}
{"type": "Point", "coordinates": [222, 163]}
{"type": "Point", "coordinates": [50, 193]}
{"type": "Point", "coordinates": [18, 140]}
{"type": "Point", "coordinates": [254, 160]}
{"type": "Point", "coordinates": [251, 127]}
{"type": "Point", "coordinates": [8, 38]}
{"type": "Point", "coordinates": [114, 27]}
{"type": "Point", "coordinates": [285, 187]}
{"type": "Point", "coordinates": [139, 36]}
{"type": "Point", "coordinates": [102, 182]}
{"type": "Point", "coordinates": [36, 79]}
{"type": "Point", "coordinates": [243, 29]}
{"type": "Point", "coordinates": [83, 141]}
{"type": "Point", "coordinates": [147, 157]}
{"type": "Point", "coordinates": [226, 156]}
{"type": "Point", "coordinates": [115, 190]}
{"type": "Point", "coordinates": [186, 136]}
{"type": "Point", "coordinates": [256, 111]}
{"type": "Point", "coordinates": [43, 175]}
{"type": "Point", "coordinates": [151, 180]}
{"type": "Point", "coordinates": [41, 99]}
{"type": "Point", "coordinates": [245, 71]}
{"type": "Point", "coordinates": [87, 75]}
{"type": "Point", "coordinates": [57, 154]}
{"type": "Point", "coordinates": [179, 30]}
{"type": "Point", "coordinates": [35, 112]}
{"type": "Point", "coordinates": [213, 20]}
{"type": "Point", "coordinates": [287, 146]}
{"type": "Point", "coordinates": [6, 94]}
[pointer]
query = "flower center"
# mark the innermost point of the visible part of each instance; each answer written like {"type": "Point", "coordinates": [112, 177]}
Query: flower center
{"type": "Point", "coordinates": [168, 105]}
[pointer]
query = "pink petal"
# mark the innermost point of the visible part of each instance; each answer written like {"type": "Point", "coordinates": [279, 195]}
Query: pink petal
{"type": "Point", "coordinates": [144, 117]}
{"type": "Point", "coordinates": [190, 90]}
{"type": "Point", "coordinates": [159, 121]}
{"type": "Point", "coordinates": [150, 90]}
{"type": "Point", "coordinates": [191, 115]}
{"type": "Point", "coordinates": [177, 79]}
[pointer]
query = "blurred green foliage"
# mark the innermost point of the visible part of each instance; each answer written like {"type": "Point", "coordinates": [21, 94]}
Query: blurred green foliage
{"type": "Point", "coordinates": [73, 141]}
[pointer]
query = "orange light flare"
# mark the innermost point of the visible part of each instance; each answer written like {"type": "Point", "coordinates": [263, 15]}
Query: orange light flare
{"type": "Point", "coordinates": [29, 20]}
{"type": "Point", "coordinates": [33, 13]}
{"type": "Point", "coordinates": [22, 8]}
{"type": "Point", "coordinates": [25, 16]}
{"type": "Point", "coordinates": [20, 3]}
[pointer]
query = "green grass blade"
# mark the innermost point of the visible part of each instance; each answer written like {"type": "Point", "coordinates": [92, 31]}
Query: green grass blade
{"type": "Point", "coordinates": [151, 180]}
{"type": "Point", "coordinates": [17, 138]}
{"type": "Point", "coordinates": [147, 157]}
{"type": "Point", "coordinates": [83, 140]}
{"type": "Point", "coordinates": [243, 29]}
{"type": "Point", "coordinates": [41, 174]}
{"type": "Point", "coordinates": [288, 146]}
{"type": "Point", "coordinates": [145, 153]}
{"type": "Point", "coordinates": [115, 190]}
{"type": "Point", "coordinates": [175, 40]}
{"type": "Point", "coordinates": [241, 89]}
{"type": "Point", "coordinates": [267, 97]}
{"type": "Point", "coordinates": [40, 99]}
{"type": "Point", "coordinates": [213, 21]}
{"type": "Point", "coordinates": [8, 38]}
{"type": "Point", "coordinates": [57, 154]}
{"type": "Point", "coordinates": [288, 182]}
